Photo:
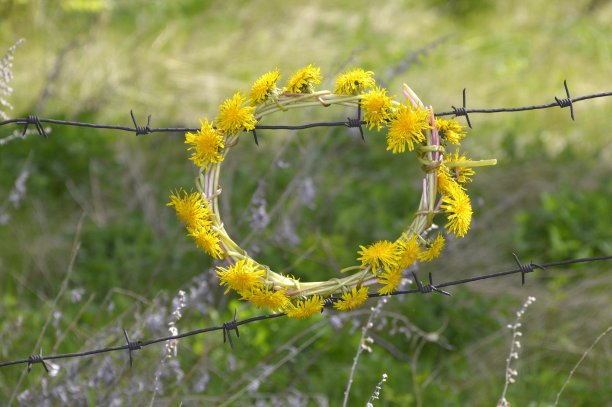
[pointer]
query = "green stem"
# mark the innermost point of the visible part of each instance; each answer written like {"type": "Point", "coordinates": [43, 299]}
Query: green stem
{"type": "Point", "coordinates": [304, 101]}
{"type": "Point", "coordinates": [471, 163]}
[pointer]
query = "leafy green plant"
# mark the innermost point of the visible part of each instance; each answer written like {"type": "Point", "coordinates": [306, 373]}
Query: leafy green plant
{"type": "Point", "coordinates": [567, 224]}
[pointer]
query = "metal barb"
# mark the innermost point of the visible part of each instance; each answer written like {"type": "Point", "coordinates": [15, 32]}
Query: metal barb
{"type": "Point", "coordinates": [436, 289]}
{"type": "Point", "coordinates": [526, 268]}
{"type": "Point", "coordinates": [567, 101]}
{"type": "Point", "coordinates": [131, 346]}
{"type": "Point", "coordinates": [139, 129]}
{"type": "Point", "coordinates": [228, 327]}
{"type": "Point", "coordinates": [425, 289]}
{"type": "Point", "coordinates": [255, 138]}
{"type": "Point", "coordinates": [461, 111]}
{"type": "Point", "coordinates": [35, 120]}
{"type": "Point", "coordinates": [37, 358]}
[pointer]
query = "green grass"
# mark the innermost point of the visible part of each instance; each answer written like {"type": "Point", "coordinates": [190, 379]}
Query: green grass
{"type": "Point", "coordinates": [548, 198]}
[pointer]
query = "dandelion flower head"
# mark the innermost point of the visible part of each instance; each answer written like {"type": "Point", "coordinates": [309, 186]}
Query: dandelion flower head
{"type": "Point", "coordinates": [305, 308]}
{"type": "Point", "coordinates": [242, 276]}
{"type": "Point", "coordinates": [208, 240]}
{"type": "Point", "coordinates": [352, 299]}
{"type": "Point", "coordinates": [450, 130]}
{"type": "Point", "coordinates": [408, 250]}
{"type": "Point", "coordinates": [191, 208]}
{"type": "Point", "coordinates": [377, 107]}
{"type": "Point", "coordinates": [207, 145]}
{"type": "Point", "coordinates": [379, 255]}
{"type": "Point", "coordinates": [459, 164]}
{"type": "Point", "coordinates": [390, 280]}
{"type": "Point", "coordinates": [234, 117]}
{"type": "Point", "coordinates": [263, 297]}
{"type": "Point", "coordinates": [433, 250]}
{"type": "Point", "coordinates": [264, 86]}
{"type": "Point", "coordinates": [304, 80]}
{"type": "Point", "coordinates": [407, 128]}
{"type": "Point", "coordinates": [456, 203]}
{"type": "Point", "coordinates": [354, 82]}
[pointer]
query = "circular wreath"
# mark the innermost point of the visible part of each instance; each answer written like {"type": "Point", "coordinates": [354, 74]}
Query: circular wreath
{"type": "Point", "coordinates": [410, 126]}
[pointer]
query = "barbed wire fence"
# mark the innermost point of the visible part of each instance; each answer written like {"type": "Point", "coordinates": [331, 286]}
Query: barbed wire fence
{"type": "Point", "coordinates": [463, 110]}
{"type": "Point", "coordinates": [232, 327]}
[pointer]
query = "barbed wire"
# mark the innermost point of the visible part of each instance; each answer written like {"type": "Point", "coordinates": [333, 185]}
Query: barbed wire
{"type": "Point", "coordinates": [568, 101]}
{"type": "Point", "coordinates": [232, 326]}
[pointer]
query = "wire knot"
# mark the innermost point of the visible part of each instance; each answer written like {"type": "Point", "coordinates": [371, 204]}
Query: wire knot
{"type": "Point", "coordinates": [35, 120]}
{"type": "Point", "coordinates": [526, 268]}
{"type": "Point", "coordinates": [228, 327]}
{"type": "Point", "coordinates": [461, 111]}
{"type": "Point", "coordinates": [350, 122]}
{"type": "Point", "coordinates": [37, 358]}
{"type": "Point", "coordinates": [356, 122]}
{"type": "Point", "coordinates": [141, 130]}
{"type": "Point", "coordinates": [566, 102]}
{"type": "Point", "coordinates": [426, 289]}
{"type": "Point", "coordinates": [131, 346]}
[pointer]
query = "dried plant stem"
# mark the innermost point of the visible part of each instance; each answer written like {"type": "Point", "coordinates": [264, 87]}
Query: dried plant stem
{"type": "Point", "coordinates": [376, 394]}
{"type": "Point", "coordinates": [362, 346]}
{"type": "Point", "coordinates": [514, 349]}
{"type": "Point", "coordinates": [291, 352]}
{"type": "Point", "coordinates": [75, 249]}
{"type": "Point", "coordinates": [569, 377]}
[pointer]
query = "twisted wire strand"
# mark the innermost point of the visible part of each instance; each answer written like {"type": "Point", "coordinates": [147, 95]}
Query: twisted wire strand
{"type": "Point", "coordinates": [233, 325]}
{"type": "Point", "coordinates": [456, 111]}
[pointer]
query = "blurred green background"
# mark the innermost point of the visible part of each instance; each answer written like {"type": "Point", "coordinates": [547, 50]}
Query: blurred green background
{"type": "Point", "coordinates": [301, 202]}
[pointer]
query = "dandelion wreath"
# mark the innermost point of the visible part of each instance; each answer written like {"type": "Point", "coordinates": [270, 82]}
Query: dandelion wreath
{"type": "Point", "coordinates": [410, 126]}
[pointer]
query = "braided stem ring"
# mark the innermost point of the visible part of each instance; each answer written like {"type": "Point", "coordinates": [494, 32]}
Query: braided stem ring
{"type": "Point", "coordinates": [411, 126]}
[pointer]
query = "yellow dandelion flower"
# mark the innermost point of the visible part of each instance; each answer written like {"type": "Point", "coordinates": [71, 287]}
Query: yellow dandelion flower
{"type": "Point", "coordinates": [390, 280]}
{"type": "Point", "coordinates": [234, 117]}
{"type": "Point", "coordinates": [208, 240]}
{"type": "Point", "coordinates": [407, 128]}
{"type": "Point", "coordinates": [433, 249]}
{"type": "Point", "coordinates": [264, 86]}
{"type": "Point", "coordinates": [377, 107]}
{"type": "Point", "coordinates": [191, 208]}
{"type": "Point", "coordinates": [450, 130]}
{"type": "Point", "coordinates": [242, 276]}
{"type": "Point", "coordinates": [407, 251]}
{"type": "Point", "coordinates": [305, 308]}
{"type": "Point", "coordinates": [460, 167]}
{"type": "Point", "coordinates": [445, 180]}
{"type": "Point", "coordinates": [456, 203]}
{"type": "Point", "coordinates": [207, 143]}
{"type": "Point", "coordinates": [263, 297]}
{"type": "Point", "coordinates": [354, 82]}
{"type": "Point", "coordinates": [352, 299]}
{"type": "Point", "coordinates": [303, 81]}
{"type": "Point", "coordinates": [378, 255]}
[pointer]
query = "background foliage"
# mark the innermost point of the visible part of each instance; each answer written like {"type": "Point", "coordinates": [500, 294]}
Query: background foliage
{"type": "Point", "coordinates": [302, 201]}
